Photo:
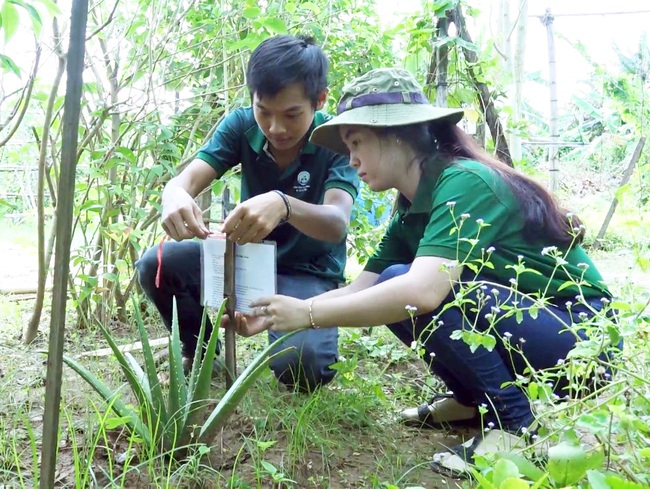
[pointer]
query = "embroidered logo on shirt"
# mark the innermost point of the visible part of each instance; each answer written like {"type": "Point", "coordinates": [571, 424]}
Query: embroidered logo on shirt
{"type": "Point", "coordinates": [303, 182]}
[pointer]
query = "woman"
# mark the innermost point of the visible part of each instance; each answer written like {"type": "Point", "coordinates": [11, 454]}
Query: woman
{"type": "Point", "coordinates": [474, 250]}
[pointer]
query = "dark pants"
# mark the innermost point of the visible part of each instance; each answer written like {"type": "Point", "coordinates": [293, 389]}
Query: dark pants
{"type": "Point", "coordinates": [306, 368]}
{"type": "Point", "coordinates": [484, 376]}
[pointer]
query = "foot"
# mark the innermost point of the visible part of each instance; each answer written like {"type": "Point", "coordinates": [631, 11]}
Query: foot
{"type": "Point", "coordinates": [441, 410]}
{"type": "Point", "coordinates": [458, 461]}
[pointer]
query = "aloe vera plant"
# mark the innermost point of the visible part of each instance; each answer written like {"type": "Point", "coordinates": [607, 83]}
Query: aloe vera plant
{"type": "Point", "coordinates": [174, 421]}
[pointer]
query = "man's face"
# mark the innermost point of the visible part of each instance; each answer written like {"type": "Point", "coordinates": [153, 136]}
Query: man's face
{"type": "Point", "coordinates": [286, 118]}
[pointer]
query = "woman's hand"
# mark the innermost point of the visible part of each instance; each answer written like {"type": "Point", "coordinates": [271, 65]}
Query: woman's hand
{"type": "Point", "coordinates": [245, 325]}
{"type": "Point", "coordinates": [282, 313]}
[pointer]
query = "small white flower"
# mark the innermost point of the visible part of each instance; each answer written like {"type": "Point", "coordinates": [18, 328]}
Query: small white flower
{"type": "Point", "coordinates": [548, 250]}
{"type": "Point", "coordinates": [489, 316]}
{"type": "Point", "coordinates": [549, 384]}
{"type": "Point", "coordinates": [483, 405]}
{"type": "Point", "coordinates": [490, 249]}
{"type": "Point", "coordinates": [534, 437]}
{"type": "Point", "coordinates": [604, 300]}
{"type": "Point", "coordinates": [465, 215]}
{"type": "Point", "coordinates": [441, 323]}
{"type": "Point", "coordinates": [583, 315]}
{"type": "Point", "coordinates": [607, 375]}
{"type": "Point", "coordinates": [495, 291]}
{"type": "Point", "coordinates": [560, 361]}
{"type": "Point", "coordinates": [569, 215]}
{"type": "Point", "coordinates": [507, 335]}
{"type": "Point", "coordinates": [522, 340]}
{"type": "Point", "coordinates": [568, 304]}
{"type": "Point", "coordinates": [520, 257]}
{"type": "Point", "coordinates": [451, 203]}
{"type": "Point", "coordinates": [524, 430]}
{"type": "Point", "coordinates": [490, 425]}
{"type": "Point", "coordinates": [495, 310]}
{"type": "Point", "coordinates": [583, 266]}
{"type": "Point", "coordinates": [600, 370]}
{"type": "Point", "coordinates": [480, 221]}
{"type": "Point", "coordinates": [414, 345]}
{"type": "Point", "coordinates": [411, 308]}
{"type": "Point", "coordinates": [483, 287]}
{"type": "Point", "coordinates": [513, 281]}
{"type": "Point", "coordinates": [556, 398]}
{"type": "Point", "coordinates": [432, 355]}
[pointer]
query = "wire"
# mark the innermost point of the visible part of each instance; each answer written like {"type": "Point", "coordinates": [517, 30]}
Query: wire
{"type": "Point", "coordinates": [630, 12]}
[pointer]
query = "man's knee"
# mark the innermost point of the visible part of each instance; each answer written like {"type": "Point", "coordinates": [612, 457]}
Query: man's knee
{"type": "Point", "coordinates": [303, 368]}
{"type": "Point", "coordinates": [147, 266]}
{"type": "Point", "coordinates": [392, 272]}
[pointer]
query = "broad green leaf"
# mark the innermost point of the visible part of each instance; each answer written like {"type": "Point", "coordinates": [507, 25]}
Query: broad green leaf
{"type": "Point", "coordinates": [252, 13]}
{"type": "Point", "coordinates": [514, 483]}
{"type": "Point", "coordinates": [597, 480]}
{"type": "Point", "coordinates": [10, 19]}
{"type": "Point", "coordinates": [568, 463]}
{"type": "Point", "coordinates": [274, 25]}
{"type": "Point", "coordinates": [504, 469]}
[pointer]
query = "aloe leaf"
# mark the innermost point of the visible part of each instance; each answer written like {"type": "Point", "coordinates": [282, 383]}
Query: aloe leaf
{"type": "Point", "coordinates": [131, 376]}
{"type": "Point", "coordinates": [177, 395]}
{"type": "Point", "coordinates": [112, 399]}
{"type": "Point", "coordinates": [204, 378]}
{"type": "Point", "coordinates": [157, 398]}
{"type": "Point", "coordinates": [231, 398]}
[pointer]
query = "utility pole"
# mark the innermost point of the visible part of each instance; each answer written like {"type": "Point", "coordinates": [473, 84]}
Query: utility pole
{"type": "Point", "coordinates": [547, 20]}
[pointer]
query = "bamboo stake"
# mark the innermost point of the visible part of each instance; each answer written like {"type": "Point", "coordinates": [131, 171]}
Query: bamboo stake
{"type": "Point", "coordinates": [547, 20]}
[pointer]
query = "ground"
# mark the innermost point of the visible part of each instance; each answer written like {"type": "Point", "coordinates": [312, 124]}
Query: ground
{"type": "Point", "coordinates": [345, 436]}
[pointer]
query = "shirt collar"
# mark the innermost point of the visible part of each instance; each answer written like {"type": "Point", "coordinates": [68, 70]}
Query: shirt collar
{"type": "Point", "coordinates": [422, 201]}
{"type": "Point", "coordinates": [259, 143]}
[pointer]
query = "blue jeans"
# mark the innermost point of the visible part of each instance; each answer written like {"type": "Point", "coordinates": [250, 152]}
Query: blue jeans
{"type": "Point", "coordinates": [305, 368]}
{"type": "Point", "coordinates": [486, 377]}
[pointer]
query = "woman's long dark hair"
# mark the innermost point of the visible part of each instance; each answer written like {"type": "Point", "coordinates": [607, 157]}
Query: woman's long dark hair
{"type": "Point", "coordinates": [444, 143]}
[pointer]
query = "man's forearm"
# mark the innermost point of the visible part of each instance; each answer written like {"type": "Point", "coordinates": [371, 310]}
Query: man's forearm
{"type": "Point", "coordinates": [318, 221]}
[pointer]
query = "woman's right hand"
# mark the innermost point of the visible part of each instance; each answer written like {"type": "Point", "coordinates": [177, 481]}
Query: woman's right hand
{"type": "Point", "coordinates": [245, 325]}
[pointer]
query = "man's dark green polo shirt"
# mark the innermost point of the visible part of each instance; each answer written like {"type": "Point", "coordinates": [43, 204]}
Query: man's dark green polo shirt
{"type": "Point", "coordinates": [468, 210]}
{"type": "Point", "coordinates": [238, 139]}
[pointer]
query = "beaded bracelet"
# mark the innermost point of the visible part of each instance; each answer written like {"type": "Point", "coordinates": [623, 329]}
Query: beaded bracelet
{"type": "Point", "coordinates": [287, 205]}
{"type": "Point", "coordinates": [311, 315]}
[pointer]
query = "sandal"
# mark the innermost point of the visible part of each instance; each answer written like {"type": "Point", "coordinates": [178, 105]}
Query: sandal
{"type": "Point", "coordinates": [442, 410]}
{"type": "Point", "coordinates": [458, 461]}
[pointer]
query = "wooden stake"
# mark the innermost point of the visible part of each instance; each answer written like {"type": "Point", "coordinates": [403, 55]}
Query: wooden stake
{"type": "Point", "coordinates": [230, 341]}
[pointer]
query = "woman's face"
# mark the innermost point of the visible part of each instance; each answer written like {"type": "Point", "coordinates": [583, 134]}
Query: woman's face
{"type": "Point", "coordinates": [373, 157]}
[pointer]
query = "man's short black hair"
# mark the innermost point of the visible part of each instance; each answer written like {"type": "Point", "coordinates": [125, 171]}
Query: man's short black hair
{"type": "Point", "coordinates": [280, 61]}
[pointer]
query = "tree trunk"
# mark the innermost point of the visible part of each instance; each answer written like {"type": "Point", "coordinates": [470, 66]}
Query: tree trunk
{"type": "Point", "coordinates": [547, 20]}
{"type": "Point", "coordinates": [31, 330]}
{"type": "Point", "coordinates": [485, 97]}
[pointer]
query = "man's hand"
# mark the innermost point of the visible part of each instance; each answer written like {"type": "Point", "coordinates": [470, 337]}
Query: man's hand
{"type": "Point", "coordinates": [181, 216]}
{"type": "Point", "coordinates": [253, 220]}
{"type": "Point", "coordinates": [245, 325]}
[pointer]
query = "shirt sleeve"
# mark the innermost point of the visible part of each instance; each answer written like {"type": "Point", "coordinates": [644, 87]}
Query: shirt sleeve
{"type": "Point", "coordinates": [223, 150]}
{"type": "Point", "coordinates": [341, 175]}
{"type": "Point", "coordinates": [390, 249]}
{"type": "Point", "coordinates": [467, 216]}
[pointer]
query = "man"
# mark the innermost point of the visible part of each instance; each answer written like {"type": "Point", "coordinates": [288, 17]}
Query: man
{"type": "Point", "coordinates": [293, 193]}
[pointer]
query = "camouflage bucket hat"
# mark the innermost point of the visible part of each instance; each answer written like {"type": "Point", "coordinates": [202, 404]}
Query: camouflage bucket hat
{"type": "Point", "coordinates": [381, 98]}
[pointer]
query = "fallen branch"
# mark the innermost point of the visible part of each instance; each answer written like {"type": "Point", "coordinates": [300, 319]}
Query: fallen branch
{"type": "Point", "coordinates": [103, 352]}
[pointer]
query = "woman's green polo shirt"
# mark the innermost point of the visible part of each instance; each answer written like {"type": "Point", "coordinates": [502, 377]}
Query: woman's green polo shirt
{"type": "Point", "coordinates": [238, 139]}
{"type": "Point", "coordinates": [470, 214]}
